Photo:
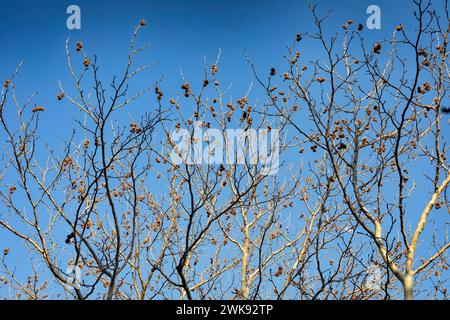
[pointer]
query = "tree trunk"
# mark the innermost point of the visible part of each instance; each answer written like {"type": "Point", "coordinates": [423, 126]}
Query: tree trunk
{"type": "Point", "coordinates": [244, 269]}
{"type": "Point", "coordinates": [408, 287]}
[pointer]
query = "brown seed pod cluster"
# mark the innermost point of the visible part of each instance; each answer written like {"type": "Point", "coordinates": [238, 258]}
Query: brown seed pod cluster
{"type": "Point", "coordinates": [341, 146]}
{"type": "Point", "coordinates": [399, 27]}
{"type": "Point", "coordinates": [159, 93]}
{"type": "Point", "coordinates": [298, 37]}
{"type": "Point", "coordinates": [347, 24]}
{"type": "Point", "coordinates": [273, 71]}
{"type": "Point", "coordinates": [441, 49]}
{"type": "Point", "coordinates": [360, 27]}
{"type": "Point", "coordinates": [60, 96]}
{"type": "Point", "coordinates": [220, 170]}
{"type": "Point", "coordinates": [320, 80]}
{"type": "Point", "coordinates": [86, 62]}
{"type": "Point", "coordinates": [69, 237]}
{"type": "Point", "coordinates": [6, 83]}
{"type": "Point", "coordinates": [38, 109]}
{"type": "Point", "coordinates": [279, 271]}
{"type": "Point", "coordinates": [243, 102]}
{"type": "Point", "coordinates": [245, 116]}
{"type": "Point", "coordinates": [377, 48]}
{"type": "Point", "coordinates": [186, 87]}
{"type": "Point", "coordinates": [12, 189]}
{"type": "Point", "coordinates": [423, 53]}
{"type": "Point", "coordinates": [79, 46]}
{"type": "Point", "coordinates": [67, 161]}
{"type": "Point", "coordinates": [424, 88]}
{"type": "Point", "coordinates": [133, 127]}
{"type": "Point", "coordinates": [142, 22]}
{"type": "Point", "coordinates": [231, 106]}
{"type": "Point", "coordinates": [214, 69]}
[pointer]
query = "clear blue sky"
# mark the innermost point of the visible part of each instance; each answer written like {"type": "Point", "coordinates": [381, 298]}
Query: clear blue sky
{"type": "Point", "coordinates": [181, 33]}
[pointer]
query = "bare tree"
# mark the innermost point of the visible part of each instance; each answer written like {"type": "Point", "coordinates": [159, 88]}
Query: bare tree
{"type": "Point", "coordinates": [378, 122]}
{"type": "Point", "coordinates": [94, 189]}
{"type": "Point", "coordinates": [340, 177]}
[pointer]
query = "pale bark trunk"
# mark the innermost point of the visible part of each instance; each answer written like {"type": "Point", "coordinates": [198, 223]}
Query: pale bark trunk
{"type": "Point", "coordinates": [408, 287]}
{"type": "Point", "coordinates": [244, 271]}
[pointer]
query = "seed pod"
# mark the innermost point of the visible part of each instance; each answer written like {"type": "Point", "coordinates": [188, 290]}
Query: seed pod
{"type": "Point", "coordinates": [38, 109]}
{"type": "Point", "coordinates": [377, 48]}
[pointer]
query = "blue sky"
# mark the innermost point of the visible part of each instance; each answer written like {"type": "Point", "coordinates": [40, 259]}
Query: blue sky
{"type": "Point", "coordinates": [182, 33]}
